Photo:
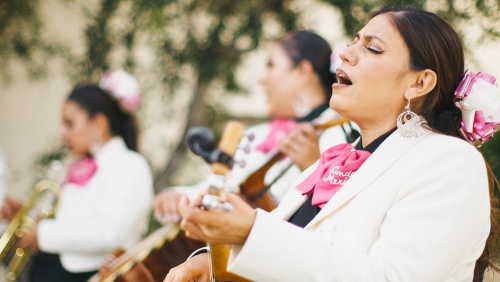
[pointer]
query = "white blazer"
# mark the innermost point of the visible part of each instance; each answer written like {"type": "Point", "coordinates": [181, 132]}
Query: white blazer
{"type": "Point", "coordinates": [112, 210]}
{"type": "Point", "coordinates": [416, 210]}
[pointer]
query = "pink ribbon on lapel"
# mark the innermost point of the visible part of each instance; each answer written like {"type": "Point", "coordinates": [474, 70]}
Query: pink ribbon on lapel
{"type": "Point", "coordinates": [336, 166]}
{"type": "Point", "coordinates": [82, 171]}
{"type": "Point", "coordinates": [279, 129]}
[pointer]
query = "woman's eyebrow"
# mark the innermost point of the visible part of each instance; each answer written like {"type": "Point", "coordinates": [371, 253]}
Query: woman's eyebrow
{"type": "Point", "coordinates": [370, 37]}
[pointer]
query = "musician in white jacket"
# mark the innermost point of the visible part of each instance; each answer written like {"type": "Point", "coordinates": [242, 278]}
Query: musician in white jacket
{"type": "Point", "coordinates": [409, 201]}
{"type": "Point", "coordinates": [298, 83]}
{"type": "Point", "coordinates": [106, 198]}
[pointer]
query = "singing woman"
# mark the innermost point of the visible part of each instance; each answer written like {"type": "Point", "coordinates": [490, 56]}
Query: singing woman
{"type": "Point", "coordinates": [409, 201]}
{"type": "Point", "coordinates": [297, 82]}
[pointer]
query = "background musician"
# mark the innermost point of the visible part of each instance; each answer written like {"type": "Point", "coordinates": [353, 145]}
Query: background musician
{"type": "Point", "coordinates": [297, 81]}
{"type": "Point", "coordinates": [411, 202]}
{"type": "Point", "coordinates": [107, 196]}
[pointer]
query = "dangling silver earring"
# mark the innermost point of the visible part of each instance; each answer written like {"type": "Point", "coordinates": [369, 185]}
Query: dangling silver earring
{"type": "Point", "coordinates": [408, 122]}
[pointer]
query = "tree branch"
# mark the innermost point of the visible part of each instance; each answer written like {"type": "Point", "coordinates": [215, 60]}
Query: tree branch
{"type": "Point", "coordinates": [195, 116]}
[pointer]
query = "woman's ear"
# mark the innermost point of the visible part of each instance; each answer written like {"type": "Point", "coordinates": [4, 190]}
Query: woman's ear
{"type": "Point", "coordinates": [101, 124]}
{"type": "Point", "coordinates": [421, 84]}
{"type": "Point", "coordinates": [305, 70]}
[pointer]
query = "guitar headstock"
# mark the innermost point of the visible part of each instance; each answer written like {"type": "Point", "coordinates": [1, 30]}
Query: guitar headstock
{"type": "Point", "coordinates": [201, 142]}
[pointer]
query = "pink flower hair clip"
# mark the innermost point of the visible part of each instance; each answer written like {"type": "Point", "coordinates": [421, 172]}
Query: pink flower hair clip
{"type": "Point", "coordinates": [478, 97]}
{"type": "Point", "coordinates": [124, 87]}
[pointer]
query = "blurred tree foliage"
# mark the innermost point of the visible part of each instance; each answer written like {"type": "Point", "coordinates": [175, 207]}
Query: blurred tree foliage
{"type": "Point", "coordinates": [461, 14]}
{"type": "Point", "coordinates": [198, 40]}
{"type": "Point", "coordinates": [208, 37]}
{"type": "Point", "coordinates": [20, 37]}
{"type": "Point", "coordinates": [491, 151]}
{"type": "Point", "coordinates": [356, 12]}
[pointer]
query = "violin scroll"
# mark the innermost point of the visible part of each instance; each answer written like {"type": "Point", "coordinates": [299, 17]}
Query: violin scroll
{"type": "Point", "coordinates": [201, 142]}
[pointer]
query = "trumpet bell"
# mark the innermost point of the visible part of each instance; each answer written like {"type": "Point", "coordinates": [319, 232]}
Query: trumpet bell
{"type": "Point", "coordinates": [42, 204]}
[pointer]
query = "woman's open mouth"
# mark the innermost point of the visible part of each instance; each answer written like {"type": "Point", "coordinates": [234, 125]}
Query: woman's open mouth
{"type": "Point", "coordinates": [342, 78]}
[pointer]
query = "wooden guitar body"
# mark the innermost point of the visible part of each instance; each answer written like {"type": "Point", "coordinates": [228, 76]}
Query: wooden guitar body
{"type": "Point", "coordinates": [159, 262]}
{"type": "Point", "coordinates": [152, 258]}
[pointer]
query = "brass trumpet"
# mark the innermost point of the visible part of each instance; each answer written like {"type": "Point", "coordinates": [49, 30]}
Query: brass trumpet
{"type": "Point", "coordinates": [25, 220]}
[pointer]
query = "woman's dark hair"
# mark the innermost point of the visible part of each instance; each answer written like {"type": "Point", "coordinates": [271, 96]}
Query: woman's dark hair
{"type": "Point", "coordinates": [94, 100]}
{"type": "Point", "coordinates": [305, 45]}
{"type": "Point", "coordinates": [434, 45]}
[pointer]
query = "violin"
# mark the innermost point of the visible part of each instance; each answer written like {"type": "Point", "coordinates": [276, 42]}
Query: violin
{"type": "Point", "coordinates": [256, 192]}
{"type": "Point", "coordinates": [254, 189]}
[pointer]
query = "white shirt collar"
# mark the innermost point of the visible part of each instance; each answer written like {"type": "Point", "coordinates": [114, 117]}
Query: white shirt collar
{"type": "Point", "coordinates": [114, 144]}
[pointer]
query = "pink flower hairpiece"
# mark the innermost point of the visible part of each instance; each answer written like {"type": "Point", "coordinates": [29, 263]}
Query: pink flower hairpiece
{"type": "Point", "coordinates": [124, 87]}
{"type": "Point", "coordinates": [478, 97]}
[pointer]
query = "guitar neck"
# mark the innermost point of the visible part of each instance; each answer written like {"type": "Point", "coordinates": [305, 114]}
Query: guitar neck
{"type": "Point", "coordinates": [219, 255]}
{"type": "Point", "coordinates": [138, 252]}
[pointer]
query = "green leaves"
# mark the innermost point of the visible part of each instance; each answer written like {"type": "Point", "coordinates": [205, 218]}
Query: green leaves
{"type": "Point", "coordinates": [195, 42]}
{"type": "Point", "coordinates": [491, 152]}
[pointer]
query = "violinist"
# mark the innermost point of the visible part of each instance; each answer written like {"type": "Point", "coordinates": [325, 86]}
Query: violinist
{"type": "Point", "coordinates": [106, 197]}
{"type": "Point", "coordinates": [408, 201]}
{"type": "Point", "coordinates": [297, 82]}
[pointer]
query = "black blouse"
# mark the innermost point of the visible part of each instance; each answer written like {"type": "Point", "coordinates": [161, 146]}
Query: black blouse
{"type": "Point", "coordinates": [307, 211]}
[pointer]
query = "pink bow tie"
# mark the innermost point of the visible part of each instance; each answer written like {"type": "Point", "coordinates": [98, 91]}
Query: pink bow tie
{"type": "Point", "coordinates": [82, 171]}
{"type": "Point", "coordinates": [279, 129]}
{"type": "Point", "coordinates": [336, 166]}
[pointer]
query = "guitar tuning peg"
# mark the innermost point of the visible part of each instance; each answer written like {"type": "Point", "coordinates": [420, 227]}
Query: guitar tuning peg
{"type": "Point", "coordinates": [241, 163]}
{"type": "Point", "coordinates": [211, 202]}
{"type": "Point", "coordinates": [246, 149]}
{"type": "Point", "coordinates": [250, 136]}
{"type": "Point", "coordinates": [231, 188]}
{"type": "Point", "coordinates": [226, 206]}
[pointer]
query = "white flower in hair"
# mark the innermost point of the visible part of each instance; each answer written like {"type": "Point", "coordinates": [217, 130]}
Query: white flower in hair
{"type": "Point", "coordinates": [484, 97]}
{"type": "Point", "coordinates": [124, 87]}
{"type": "Point", "coordinates": [478, 97]}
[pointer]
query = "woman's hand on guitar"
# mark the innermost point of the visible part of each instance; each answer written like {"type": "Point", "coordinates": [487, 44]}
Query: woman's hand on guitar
{"type": "Point", "coordinates": [195, 269]}
{"type": "Point", "coordinates": [166, 206]}
{"type": "Point", "coordinates": [107, 262]}
{"type": "Point", "coordinates": [301, 145]}
{"type": "Point", "coordinates": [217, 226]}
